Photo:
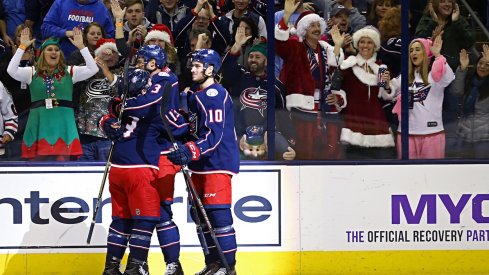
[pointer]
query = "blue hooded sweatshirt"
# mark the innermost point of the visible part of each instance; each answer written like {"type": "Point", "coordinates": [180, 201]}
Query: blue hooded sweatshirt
{"type": "Point", "coordinates": [64, 15]}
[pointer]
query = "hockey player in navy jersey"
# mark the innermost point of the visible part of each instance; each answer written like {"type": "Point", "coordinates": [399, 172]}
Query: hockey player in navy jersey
{"type": "Point", "coordinates": [166, 229]}
{"type": "Point", "coordinates": [134, 166]}
{"type": "Point", "coordinates": [212, 156]}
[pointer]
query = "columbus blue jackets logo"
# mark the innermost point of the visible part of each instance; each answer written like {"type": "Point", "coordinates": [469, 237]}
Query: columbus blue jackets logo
{"type": "Point", "coordinates": [420, 91]}
{"type": "Point", "coordinates": [98, 88]}
{"type": "Point", "coordinates": [254, 98]}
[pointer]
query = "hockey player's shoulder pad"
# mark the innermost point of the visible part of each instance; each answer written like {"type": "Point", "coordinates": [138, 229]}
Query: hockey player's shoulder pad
{"type": "Point", "coordinates": [166, 74]}
{"type": "Point", "coordinates": [215, 92]}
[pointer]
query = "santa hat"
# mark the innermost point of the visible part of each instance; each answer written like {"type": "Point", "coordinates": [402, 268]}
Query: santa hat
{"type": "Point", "coordinates": [303, 22]}
{"type": "Point", "coordinates": [427, 43]}
{"type": "Point", "coordinates": [161, 32]}
{"type": "Point", "coordinates": [104, 44]}
{"type": "Point", "coordinates": [370, 32]}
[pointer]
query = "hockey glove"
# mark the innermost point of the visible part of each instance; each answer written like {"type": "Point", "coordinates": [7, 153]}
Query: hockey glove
{"type": "Point", "coordinates": [111, 127]}
{"type": "Point", "coordinates": [185, 154]}
{"type": "Point", "coordinates": [191, 119]}
{"type": "Point", "coordinates": [115, 107]}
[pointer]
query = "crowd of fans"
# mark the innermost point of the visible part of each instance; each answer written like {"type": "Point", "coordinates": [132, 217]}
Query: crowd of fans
{"type": "Point", "coordinates": [331, 102]}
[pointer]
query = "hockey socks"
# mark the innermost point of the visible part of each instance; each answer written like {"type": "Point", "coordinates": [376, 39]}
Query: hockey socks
{"type": "Point", "coordinates": [141, 239]}
{"type": "Point", "coordinates": [226, 237]}
{"type": "Point", "coordinates": [119, 232]}
{"type": "Point", "coordinates": [221, 220]}
{"type": "Point", "coordinates": [169, 239]}
{"type": "Point", "coordinates": [213, 256]}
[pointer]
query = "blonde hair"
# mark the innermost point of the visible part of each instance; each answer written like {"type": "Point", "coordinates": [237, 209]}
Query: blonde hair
{"type": "Point", "coordinates": [424, 65]}
{"type": "Point", "coordinates": [42, 66]}
{"type": "Point", "coordinates": [171, 53]}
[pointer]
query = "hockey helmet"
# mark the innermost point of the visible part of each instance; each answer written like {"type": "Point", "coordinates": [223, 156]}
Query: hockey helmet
{"type": "Point", "coordinates": [207, 57]}
{"type": "Point", "coordinates": [148, 52]}
{"type": "Point", "coordinates": [137, 82]}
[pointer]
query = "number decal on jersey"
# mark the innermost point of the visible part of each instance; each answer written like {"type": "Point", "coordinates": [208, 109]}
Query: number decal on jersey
{"type": "Point", "coordinates": [156, 88]}
{"type": "Point", "coordinates": [130, 127]}
{"type": "Point", "coordinates": [215, 115]}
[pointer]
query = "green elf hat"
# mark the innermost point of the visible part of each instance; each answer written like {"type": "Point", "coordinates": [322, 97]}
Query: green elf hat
{"type": "Point", "coordinates": [47, 42]}
{"type": "Point", "coordinates": [260, 47]}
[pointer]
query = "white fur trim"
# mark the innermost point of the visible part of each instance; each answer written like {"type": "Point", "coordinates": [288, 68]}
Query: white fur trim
{"type": "Point", "coordinates": [364, 77]}
{"type": "Point", "coordinates": [357, 63]}
{"type": "Point", "coordinates": [105, 46]}
{"type": "Point", "coordinates": [359, 139]}
{"type": "Point", "coordinates": [324, 44]}
{"type": "Point", "coordinates": [330, 52]}
{"type": "Point", "coordinates": [306, 21]}
{"type": "Point", "coordinates": [299, 101]}
{"type": "Point", "coordinates": [343, 96]}
{"type": "Point", "coordinates": [388, 95]}
{"type": "Point", "coordinates": [158, 35]}
{"type": "Point", "coordinates": [369, 32]}
{"type": "Point", "coordinates": [281, 35]}
{"type": "Point", "coordinates": [349, 62]}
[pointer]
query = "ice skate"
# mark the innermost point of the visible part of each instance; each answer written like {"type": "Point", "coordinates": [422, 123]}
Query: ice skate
{"type": "Point", "coordinates": [112, 267]}
{"type": "Point", "coordinates": [174, 268]}
{"type": "Point", "coordinates": [223, 271]}
{"type": "Point", "coordinates": [209, 269]}
{"type": "Point", "coordinates": [135, 267]}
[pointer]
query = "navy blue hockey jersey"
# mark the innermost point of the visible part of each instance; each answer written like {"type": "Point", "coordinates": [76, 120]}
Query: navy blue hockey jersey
{"type": "Point", "coordinates": [177, 123]}
{"type": "Point", "coordinates": [141, 143]}
{"type": "Point", "coordinates": [215, 134]}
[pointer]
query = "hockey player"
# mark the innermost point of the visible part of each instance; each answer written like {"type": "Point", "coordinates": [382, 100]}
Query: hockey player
{"type": "Point", "coordinates": [166, 230]}
{"type": "Point", "coordinates": [134, 168]}
{"type": "Point", "coordinates": [212, 156]}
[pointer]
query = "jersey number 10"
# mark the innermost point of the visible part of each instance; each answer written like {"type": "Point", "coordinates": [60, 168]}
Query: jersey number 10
{"type": "Point", "coordinates": [215, 115]}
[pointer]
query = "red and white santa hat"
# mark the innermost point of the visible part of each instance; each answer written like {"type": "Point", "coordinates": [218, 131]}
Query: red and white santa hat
{"type": "Point", "coordinates": [104, 44]}
{"type": "Point", "coordinates": [303, 22]}
{"type": "Point", "coordinates": [370, 32]}
{"type": "Point", "coordinates": [161, 32]}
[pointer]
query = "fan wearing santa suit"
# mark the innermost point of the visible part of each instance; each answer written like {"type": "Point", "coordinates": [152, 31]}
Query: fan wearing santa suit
{"type": "Point", "coordinates": [366, 133]}
{"type": "Point", "coordinates": [306, 73]}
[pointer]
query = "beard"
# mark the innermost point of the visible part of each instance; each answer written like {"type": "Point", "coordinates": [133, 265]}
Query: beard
{"type": "Point", "coordinates": [256, 68]}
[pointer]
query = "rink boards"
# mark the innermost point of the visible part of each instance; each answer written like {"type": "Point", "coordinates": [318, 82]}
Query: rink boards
{"type": "Point", "coordinates": [382, 219]}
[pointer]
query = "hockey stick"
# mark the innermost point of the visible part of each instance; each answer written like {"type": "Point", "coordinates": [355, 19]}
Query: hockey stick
{"type": "Point", "coordinates": [109, 158]}
{"type": "Point", "coordinates": [194, 197]}
{"type": "Point", "coordinates": [193, 208]}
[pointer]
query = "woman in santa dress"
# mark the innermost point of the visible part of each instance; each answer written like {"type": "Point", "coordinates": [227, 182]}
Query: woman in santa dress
{"type": "Point", "coordinates": [366, 133]}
